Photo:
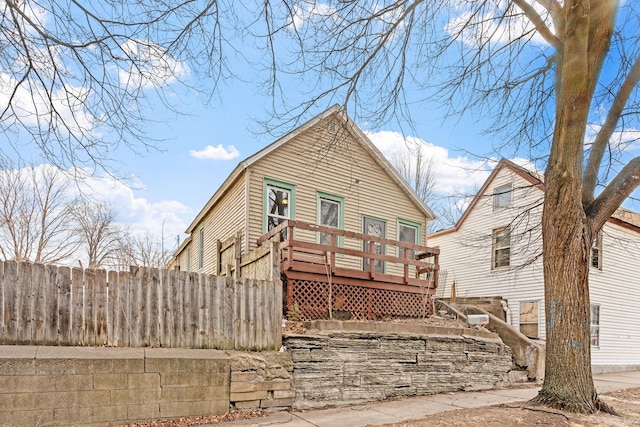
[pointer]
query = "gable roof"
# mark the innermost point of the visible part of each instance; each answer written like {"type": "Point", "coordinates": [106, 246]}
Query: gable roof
{"type": "Point", "coordinates": [623, 217]}
{"type": "Point", "coordinates": [350, 126]}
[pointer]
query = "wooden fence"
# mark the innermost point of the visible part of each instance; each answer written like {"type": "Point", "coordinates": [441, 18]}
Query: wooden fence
{"type": "Point", "coordinates": [50, 305]}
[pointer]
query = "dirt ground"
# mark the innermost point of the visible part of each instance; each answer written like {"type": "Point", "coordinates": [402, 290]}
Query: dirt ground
{"type": "Point", "coordinates": [626, 402]}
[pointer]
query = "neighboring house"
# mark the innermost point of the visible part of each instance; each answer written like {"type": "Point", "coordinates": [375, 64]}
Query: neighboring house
{"type": "Point", "coordinates": [495, 248]}
{"type": "Point", "coordinates": [325, 172]}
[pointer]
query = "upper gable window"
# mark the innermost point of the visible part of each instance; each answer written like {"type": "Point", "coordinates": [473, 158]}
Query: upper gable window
{"type": "Point", "coordinates": [501, 248]}
{"type": "Point", "coordinates": [502, 196]}
{"type": "Point", "coordinates": [278, 203]}
{"type": "Point", "coordinates": [596, 252]}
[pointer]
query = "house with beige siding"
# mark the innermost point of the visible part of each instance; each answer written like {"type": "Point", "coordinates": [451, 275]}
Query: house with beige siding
{"type": "Point", "coordinates": [327, 174]}
{"type": "Point", "coordinates": [495, 250]}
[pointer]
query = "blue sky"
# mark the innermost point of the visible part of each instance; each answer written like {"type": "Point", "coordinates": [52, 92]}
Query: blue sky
{"type": "Point", "coordinates": [162, 189]}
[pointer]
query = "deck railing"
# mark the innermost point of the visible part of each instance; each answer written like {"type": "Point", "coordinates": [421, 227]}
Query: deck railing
{"type": "Point", "coordinates": [418, 270]}
{"type": "Point", "coordinates": [350, 259]}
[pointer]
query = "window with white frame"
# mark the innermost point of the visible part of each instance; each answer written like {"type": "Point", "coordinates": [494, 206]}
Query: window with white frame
{"type": "Point", "coordinates": [529, 318]}
{"type": "Point", "coordinates": [596, 252]}
{"type": "Point", "coordinates": [502, 196]}
{"type": "Point", "coordinates": [501, 247]}
{"type": "Point", "coordinates": [278, 203]}
{"type": "Point", "coordinates": [595, 325]}
{"type": "Point", "coordinates": [330, 214]}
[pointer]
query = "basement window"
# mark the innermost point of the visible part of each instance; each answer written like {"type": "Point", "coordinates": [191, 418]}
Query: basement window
{"type": "Point", "coordinates": [529, 318]}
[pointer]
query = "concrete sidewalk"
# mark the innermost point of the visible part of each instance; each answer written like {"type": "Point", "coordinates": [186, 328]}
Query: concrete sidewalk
{"type": "Point", "coordinates": [396, 411]}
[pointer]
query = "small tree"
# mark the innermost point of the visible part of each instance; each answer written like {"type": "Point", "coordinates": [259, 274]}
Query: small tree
{"type": "Point", "coordinates": [36, 215]}
{"type": "Point", "coordinates": [100, 235]}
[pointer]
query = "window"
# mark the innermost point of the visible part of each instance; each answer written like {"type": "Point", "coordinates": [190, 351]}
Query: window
{"type": "Point", "coordinates": [529, 318]}
{"type": "Point", "coordinates": [595, 325]}
{"type": "Point", "coordinates": [200, 246]}
{"type": "Point", "coordinates": [408, 232]}
{"type": "Point", "coordinates": [596, 252]}
{"type": "Point", "coordinates": [188, 259]}
{"type": "Point", "coordinates": [501, 247]}
{"type": "Point", "coordinates": [502, 196]}
{"type": "Point", "coordinates": [278, 203]}
{"type": "Point", "coordinates": [330, 214]}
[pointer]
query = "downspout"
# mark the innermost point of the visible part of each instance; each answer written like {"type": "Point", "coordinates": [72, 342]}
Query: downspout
{"type": "Point", "coordinates": [507, 311]}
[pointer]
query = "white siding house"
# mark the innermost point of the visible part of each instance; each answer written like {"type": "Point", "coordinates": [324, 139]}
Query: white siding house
{"type": "Point", "coordinates": [495, 250]}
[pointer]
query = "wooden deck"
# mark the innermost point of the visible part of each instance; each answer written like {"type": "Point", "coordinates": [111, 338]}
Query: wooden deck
{"type": "Point", "coordinates": [338, 272]}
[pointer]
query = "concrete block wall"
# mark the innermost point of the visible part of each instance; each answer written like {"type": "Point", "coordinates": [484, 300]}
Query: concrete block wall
{"type": "Point", "coordinates": [63, 386]}
{"type": "Point", "coordinates": [346, 367]}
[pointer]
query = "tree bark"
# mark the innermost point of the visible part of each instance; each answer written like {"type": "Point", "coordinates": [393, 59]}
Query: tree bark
{"type": "Point", "coordinates": [566, 228]}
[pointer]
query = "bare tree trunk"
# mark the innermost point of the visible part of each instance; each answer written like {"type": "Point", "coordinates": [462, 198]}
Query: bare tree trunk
{"type": "Point", "coordinates": [568, 383]}
{"type": "Point", "coordinates": [567, 230]}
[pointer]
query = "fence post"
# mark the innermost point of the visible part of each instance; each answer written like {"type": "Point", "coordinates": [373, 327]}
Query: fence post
{"type": "Point", "coordinates": [218, 256]}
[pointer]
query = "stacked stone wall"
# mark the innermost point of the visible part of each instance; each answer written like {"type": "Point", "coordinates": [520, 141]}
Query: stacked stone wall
{"type": "Point", "coordinates": [344, 367]}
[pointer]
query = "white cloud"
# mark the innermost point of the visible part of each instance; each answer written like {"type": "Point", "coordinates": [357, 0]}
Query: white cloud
{"type": "Point", "coordinates": [216, 153]}
{"type": "Point", "coordinates": [310, 11]}
{"type": "Point", "coordinates": [153, 65]}
{"type": "Point", "coordinates": [454, 175]}
{"type": "Point", "coordinates": [31, 104]}
{"type": "Point", "coordinates": [626, 139]}
{"type": "Point", "coordinates": [167, 218]}
{"type": "Point", "coordinates": [475, 29]}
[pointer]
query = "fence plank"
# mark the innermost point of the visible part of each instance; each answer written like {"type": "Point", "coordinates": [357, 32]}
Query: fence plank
{"type": "Point", "coordinates": [12, 325]}
{"type": "Point", "coordinates": [26, 295]}
{"type": "Point", "coordinates": [229, 304]}
{"type": "Point", "coordinates": [195, 312]}
{"type": "Point", "coordinates": [178, 298]}
{"type": "Point", "coordinates": [168, 288]}
{"type": "Point", "coordinates": [89, 333]}
{"type": "Point", "coordinates": [50, 326]}
{"type": "Point", "coordinates": [155, 292]}
{"type": "Point", "coordinates": [112, 286]}
{"type": "Point", "coordinates": [209, 286]}
{"type": "Point", "coordinates": [2, 304]}
{"type": "Point", "coordinates": [77, 307]}
{"type": "Point", "coordinates": [63, 305]}
{"type": "Point", "coordinates": [137, 308]}
{"type": "Point", "coordinates": [263, 315]}
{"type": "Point", "coordinates": [123, 306]}
{"type": "Point", "coordinates": [202, 312]}
{"type": "Point", "coordinates": [40, 305]}
{"type": "Point", "coordinates": [276, 312]}
{"type": "Point", "coordinates": [145, 293]}
{"type": "Point", "coordinates": [239, 314]}
{"type": "Point", "coordinates": [217, 311]}
{"type": "Point", "coordinates": [100, 306]}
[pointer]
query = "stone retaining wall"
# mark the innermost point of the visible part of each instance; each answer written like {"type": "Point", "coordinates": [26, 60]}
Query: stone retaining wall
{"type": "Point", "coordinates": [83, 386]}
{"type": "Point", "coordinates": [86, 386]}
{"type": "Point", "coordinates": [345, 367]}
